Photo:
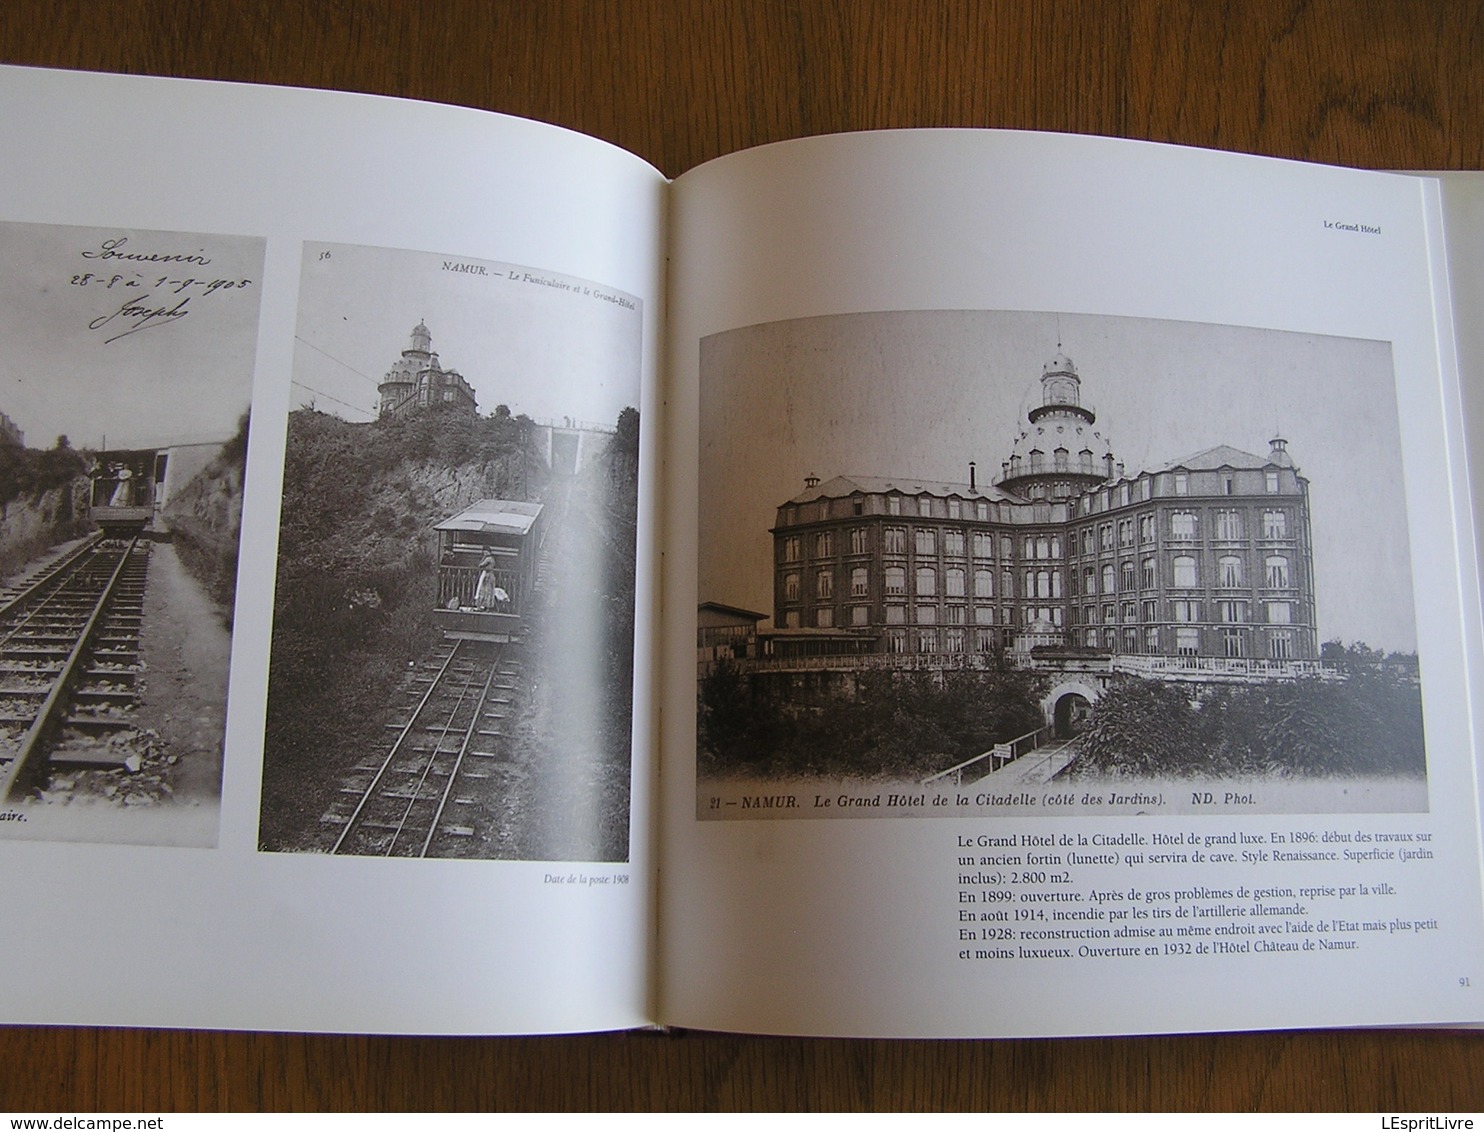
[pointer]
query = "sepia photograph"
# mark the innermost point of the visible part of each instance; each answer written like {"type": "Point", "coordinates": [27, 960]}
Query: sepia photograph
{"type": "Point", "coordinates": [451, 671]}
{"type": "Point", "coordinates": [126, 364]}
{"type": "Point", "coordinates": [978, 562]}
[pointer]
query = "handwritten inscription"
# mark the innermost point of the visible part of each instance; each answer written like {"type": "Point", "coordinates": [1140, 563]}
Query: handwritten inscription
{"type": "Point", "coordinates": [151, 300]}
{"type": "Point", "coordinates": [114, 249]}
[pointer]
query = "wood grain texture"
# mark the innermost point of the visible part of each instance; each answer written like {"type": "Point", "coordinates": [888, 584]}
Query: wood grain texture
{"type": "Point", "coordinates": [1387, 83]}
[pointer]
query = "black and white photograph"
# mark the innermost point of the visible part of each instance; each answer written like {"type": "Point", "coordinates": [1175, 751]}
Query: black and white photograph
{"type": "Point", "coordinates": [126, 365]}
{"type": "Point", "coordinates": [978, 562]}
{"type": "Point", "coordinates": [451, 671]}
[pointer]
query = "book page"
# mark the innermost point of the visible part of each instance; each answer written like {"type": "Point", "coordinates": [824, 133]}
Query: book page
{"type": "Point", "coordinates": [1087, 619]}
{"type": "Point", "coordinates": [336, 412]}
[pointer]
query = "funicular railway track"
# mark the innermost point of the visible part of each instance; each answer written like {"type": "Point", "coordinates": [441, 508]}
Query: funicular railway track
{"type": "Point", "coordinates": [69, 663]}
{"type": "Point", "coordinates": [423, 796]}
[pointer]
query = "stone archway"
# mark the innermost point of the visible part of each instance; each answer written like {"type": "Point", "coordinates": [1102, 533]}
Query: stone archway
{"type": "Point", "coordinates": [1067, 706]}
{"type": "Point", "coordinates": [1069, 715]}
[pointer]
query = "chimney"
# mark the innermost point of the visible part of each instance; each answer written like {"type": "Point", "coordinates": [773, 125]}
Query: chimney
{"type": "Point", "coordinates": [972, 485]}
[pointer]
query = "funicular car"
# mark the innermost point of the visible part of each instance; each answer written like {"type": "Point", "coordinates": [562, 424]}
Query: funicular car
{"type": "Point", "coordinates": [488, 558]}
{"type": "Point", "coordinates": [124, 489]}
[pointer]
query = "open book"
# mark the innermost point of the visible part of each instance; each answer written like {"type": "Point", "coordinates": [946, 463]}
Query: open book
{"type": "Point", "coordinates": [929, 583]}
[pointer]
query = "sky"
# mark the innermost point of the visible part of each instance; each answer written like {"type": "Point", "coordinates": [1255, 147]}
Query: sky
{"type": "Point", "coordinates": [547, 351]}
{"type": "Point", "coordinates": [83, 353]}
{"type": "Point", "coordinates": [918, 394]}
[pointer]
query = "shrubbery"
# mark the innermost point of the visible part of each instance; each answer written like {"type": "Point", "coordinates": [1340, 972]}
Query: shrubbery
{"type": "Point", "coordinates": [899, 724]}
{"type": "Point", "coordinates": [1368, 724]}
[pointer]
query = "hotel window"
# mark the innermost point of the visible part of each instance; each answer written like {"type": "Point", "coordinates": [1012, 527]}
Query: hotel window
{"type": "Point", "coordinates": [791, 587]}
{"type": "Point", "coordinates": [857, 506]}
{"type": "Point", "coordinates": [896, 615]}
{"type": "Point", "coordinates": [824, 584]}
{"type": "Point", "coordinates": [1128, 576]}
{"type": "Point", "coordinates": [1183, 524]}
{"type": "Point", "coordinates": [984, 638]}
{"type": "Point", "coordinates": [927, 581]}
{"type": "Point", "coordinates": [1090, 614]}
{"type": "Point", "coordinates": [927, 640]}
{"type": "Point", "coordinates": [1149, 611]}
{"type": "Point", "coordinates": [860, 614]}
{"type": "Point", "coordinates": [1131, 640]}
{"type": "Point", "coordinates": [953, 582]}
{"type": "Point", "coordinates": [1146, 528]}
{"type": "Point", "coordinates": [981, 511]}
{"type": "Point", "coordinates": [1123, 495]}
{"type": "Point", "coordinates": [790, 515]}
{"type": "Point", "coordinates": [953, 543]}
{"type": "Point", "coordinates": [955, 509]}
{"type": "Point", "coordinates": [1089, 581]}
{"type": "Point", "coordinates": [1091, 638]}
{"type": "Point", "coordinates": [824, 544]}
{"type": "Point", "coordinates": [983, 545]}
{"type": "Point", "coordinates": [791, 619]}
{"type": "Point", "coordinates": [927, 614]}
{"type": "Point", "coordinates": [953, 615]}
{"type": "Point", "coordinates": [1185, 610]}
{"type": "Point", "coordinates": [1043, 584]}
{"type": "Point", "coordinates": [1280, 644]}
{"type": "Point", "coordinates": [1228, 525]}
{"type": "Point", "coordinates": [1187, 641]}
{"type": "Point", "coordinates": [893, 504]}
{"type": "Point", "coordinates": [1229, 571]}
{"type": "Point", "coordinates": [926, 541]}
{"type": "Point", "coordinates": [1277, 572]}
{"type": "Point", "coordinates": [1182, 484]}
{"type": "Point", "coordinates": [984, 615]}
{"type": "Point", "coordinates": [1228, 487]}
{"type": "Point", "coordinates": [1185, 571]}
{"type": "Point", "coordinates": [1232, 612]}
{"type": "Point", "coordinates": [1056, 546]}
{"type": "Point", "coordinates": [1007, 547]}
{"type": "Point", "coordinates": [1029, 588]}
{"type": "Point", "coordinates": [1060, 458]}
{"type": "Point", "coordinates": [1151, 640]}
{"type": "Point", "coordinates": [1109, 583]}
{"type": "Point", "coordinates": [984, 583]}
{"type": "Point", "coordinates": [1129, 616]}
{"type": "Point", "coordinates": [1233, 643]}
{"type": "Point", "coordinates": [1271, 479]}
{"type": "Point", "coordinates": [896, 641]}
{"type": "Point", "coordinates": [859, 540]}
{"type": "Point", "coordinates": [1149, 573]}
{"type": "Point", "coordinates": [1087, 541]}
{"type": "Point", "coordinates": [953, 640]}
{"type": "Point", "coordinates": [896, 579]}
{"type": "Point", "coordinates": [1279, 612]}
{"type": "Point", "coordinates": [859, 585]}
{"type": "Point", "coordinates": [1275, 524]}
{"type": "Point", "coordinates": [894, 540]}
{"type": "Point", "coordinates": [1105, 536]}
{"type": "Point", "coordinates": [824, 617]}
{"type": "Point", "coordinates": [791, 548]}
{"type": "Point", "coordinates": [925, 506]}
{"type": "Point", "coordinates": [1043, 547]}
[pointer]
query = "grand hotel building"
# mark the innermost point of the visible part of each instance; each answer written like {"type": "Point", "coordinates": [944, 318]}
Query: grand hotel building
{"type": "Point", "coordinates": [1209, 556]}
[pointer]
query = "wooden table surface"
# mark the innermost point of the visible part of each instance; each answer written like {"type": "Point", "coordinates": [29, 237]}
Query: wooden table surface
{"type": "Point", "coordinates": [1386, 83]}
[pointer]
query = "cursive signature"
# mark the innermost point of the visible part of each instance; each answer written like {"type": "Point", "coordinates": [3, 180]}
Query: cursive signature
{"type": "Point", "coordinates": [137, 315]}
